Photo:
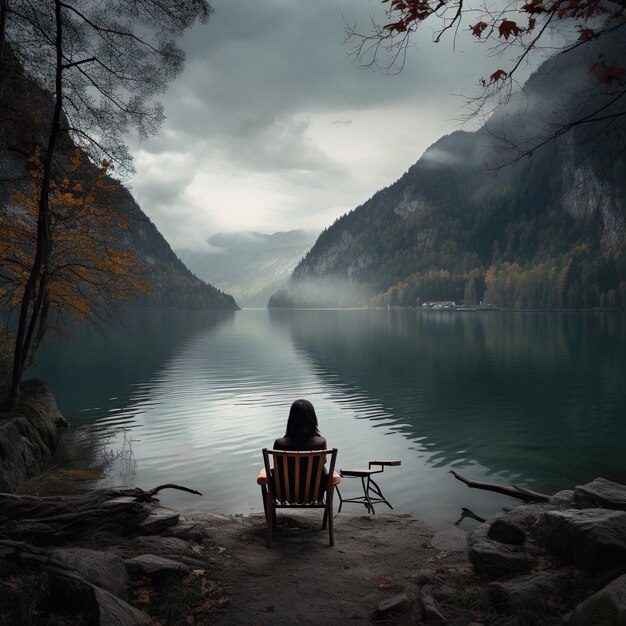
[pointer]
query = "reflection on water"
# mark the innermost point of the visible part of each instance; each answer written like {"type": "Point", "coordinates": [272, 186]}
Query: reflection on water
{"type": "Point", "coordinates": [536, 399]}
{"type": "Point", "coordinates": [96, 370]}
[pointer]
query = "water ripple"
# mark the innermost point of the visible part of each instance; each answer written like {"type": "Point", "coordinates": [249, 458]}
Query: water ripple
{"type": "Point", "coordinates": [504, 396]}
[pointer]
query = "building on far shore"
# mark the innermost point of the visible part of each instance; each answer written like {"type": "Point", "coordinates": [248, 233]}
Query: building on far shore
{"type": "Point", "coordinates": [451, 305]}
{"type": "Point", "coordinates": [445, 305]}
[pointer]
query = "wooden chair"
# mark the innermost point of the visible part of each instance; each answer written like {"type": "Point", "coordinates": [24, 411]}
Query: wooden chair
{"type": "Point", "coordinates": [298, 480]}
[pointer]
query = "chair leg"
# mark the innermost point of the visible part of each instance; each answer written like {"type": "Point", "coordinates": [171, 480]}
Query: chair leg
{"type": "Point", "coordinates": [340, 498]}
{"type": "Point", "coordinates": [264, 498]}
{"type": "Point", "coordinates": [270, 514]}
{"type": "Point", "coordinates": [328, 517]}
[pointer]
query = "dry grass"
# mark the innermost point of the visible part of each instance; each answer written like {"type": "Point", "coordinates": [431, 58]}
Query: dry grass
{"type": "Point", "coordinates": [83, 460]}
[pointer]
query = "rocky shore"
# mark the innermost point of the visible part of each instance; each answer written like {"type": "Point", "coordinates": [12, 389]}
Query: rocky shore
{"type": "Point", "coordinates": [29, 436]}
{"type": "Point", "coordinates": [117, 557]}
{"type": "Point", "coordinates": [565, 557]}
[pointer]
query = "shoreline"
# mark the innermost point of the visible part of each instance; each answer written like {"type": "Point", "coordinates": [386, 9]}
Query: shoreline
{"type": "Point", "coordinates": [158, 567]}
{"type": "Point", "coordinates": [459, 309]}
{"type": "Point", "coordinates": [117, 556]}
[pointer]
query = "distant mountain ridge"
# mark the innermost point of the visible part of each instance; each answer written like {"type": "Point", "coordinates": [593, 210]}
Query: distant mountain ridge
{"type": "Point", "coordinates": [548, 231]}
{"type": "Point", "coordinates": [248, 264]}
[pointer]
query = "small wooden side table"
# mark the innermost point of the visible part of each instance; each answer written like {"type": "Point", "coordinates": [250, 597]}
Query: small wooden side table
{"type": "Point", "coordinates": [372, 493]}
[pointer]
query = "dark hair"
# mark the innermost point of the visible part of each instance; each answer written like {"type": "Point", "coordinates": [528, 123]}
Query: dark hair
{"type": "Point", "coordinates": [302, 420]}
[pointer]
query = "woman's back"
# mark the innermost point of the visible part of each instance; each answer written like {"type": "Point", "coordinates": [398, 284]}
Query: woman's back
{"type": "Point", "coordinates": [312, 442]}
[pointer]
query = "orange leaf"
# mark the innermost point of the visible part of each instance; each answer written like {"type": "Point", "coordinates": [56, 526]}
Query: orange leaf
{"type": "Point", "coordinates": [399, 27]}
{"type": "Point", "coordinates": [607, 74]}
{"type": "Point", "coordinates": [534, 6]}
{"type": "Point", "coordinates": [477, 29]}
{"type": "Point", "coordinates": [586, 34]}
{"type": "Point", "coordinates": [497, 75]}
{"type": "Point", "coordinates": [508, 28]}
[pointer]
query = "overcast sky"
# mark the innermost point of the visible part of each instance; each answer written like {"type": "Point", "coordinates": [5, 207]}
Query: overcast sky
{"type": "Point", "coordinates": [272, 126]}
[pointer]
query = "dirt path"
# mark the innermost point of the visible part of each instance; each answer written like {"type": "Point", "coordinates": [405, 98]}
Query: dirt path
{"type": "Point", "coordinates": [301, 580]}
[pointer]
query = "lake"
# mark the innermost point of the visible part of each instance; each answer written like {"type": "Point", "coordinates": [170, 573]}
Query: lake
{"type": "Point", "coordinates": [536, 399]}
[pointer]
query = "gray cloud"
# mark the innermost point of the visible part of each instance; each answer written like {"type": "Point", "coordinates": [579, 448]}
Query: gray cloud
{"type": "Point", "coordinates": [273, 126]}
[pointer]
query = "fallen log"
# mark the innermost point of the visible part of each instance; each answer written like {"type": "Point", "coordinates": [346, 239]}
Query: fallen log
{"type": "Point", "coordinates": [515, 491]}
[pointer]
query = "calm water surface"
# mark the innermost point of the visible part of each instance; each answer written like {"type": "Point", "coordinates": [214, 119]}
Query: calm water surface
{"type": "Point", "coordinates": [534, 399]}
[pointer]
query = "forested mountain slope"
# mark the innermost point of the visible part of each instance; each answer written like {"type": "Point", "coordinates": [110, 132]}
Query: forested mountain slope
{"type": "Point", "coordinates": [472, 222]}
{"type": "Point", "coordinates": [173, 284]}
{"type": "Point", "coordinates": [24, 108]}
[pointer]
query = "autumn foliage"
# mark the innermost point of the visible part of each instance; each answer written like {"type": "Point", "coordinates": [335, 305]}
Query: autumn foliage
{"type": "Point", "coordinates": [523, 23]}
{"type": "Point", "coordinates": [87, 268]}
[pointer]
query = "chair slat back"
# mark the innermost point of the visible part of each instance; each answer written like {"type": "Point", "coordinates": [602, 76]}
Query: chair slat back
{"type": "Point", "coordinates": [298, 477]}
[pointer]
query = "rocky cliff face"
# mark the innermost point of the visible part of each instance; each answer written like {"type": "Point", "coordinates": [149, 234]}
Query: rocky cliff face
{"type": "Point", "coordinates": [588, 195]}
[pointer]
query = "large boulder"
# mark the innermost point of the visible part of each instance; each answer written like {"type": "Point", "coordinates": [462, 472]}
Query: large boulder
{"type": "Point", "coordinates": [507, 531]}
{"type": "Point", "coordinates": [593, 539]}
{"type": "Point", "coordinates": [103, 569]}
{"type": "Point", "coordinates": [29, 435]}
{"type": "Point", "coordinates": [601, 493]}
{"type": "Point", "coordinates": [161, 546]}
{"type": "Point", "coordinates": [606, 607]}
{"type": "Point", "coordinates": [493, 559]}
{"type": "Point", "coordinates": [540, 592]}
{"type": "Point", "coordinates": [158, 520]}
{"type": "Point", "coordinates": [115, 612]}
{"type": "Point", "coordinates": [157, 567]}
{"type": "Point", "coordinates": [565, 499]}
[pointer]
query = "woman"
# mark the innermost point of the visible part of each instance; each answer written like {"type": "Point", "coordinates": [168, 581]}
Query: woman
{"type": "Point", "coordinates": [302, 435]}
{"type": "Point", "coordinates": [302, 430]}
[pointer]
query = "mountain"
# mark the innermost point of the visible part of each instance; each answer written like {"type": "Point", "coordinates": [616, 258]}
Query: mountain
{"type": "Point", "coordinates": [249, 265]}
{"type": "Point", "coordinates": [476, 220]}
{"type": "Point", "coordinates": [173, 284]}
{"type": "Point", "coordinates": [24, 110]}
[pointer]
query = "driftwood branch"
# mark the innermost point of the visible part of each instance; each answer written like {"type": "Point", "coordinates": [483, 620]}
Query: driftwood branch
{"type": "Point", "coordinates": [467, 513]}
{"type": "Point", "coordinates": [156, 490]}
{"type": "Point", "coordinates": [514, 491]}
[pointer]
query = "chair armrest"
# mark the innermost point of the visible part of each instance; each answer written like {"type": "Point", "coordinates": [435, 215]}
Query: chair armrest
{"type": "Point", "coordinates": [261, 478]}
{"type": "Point", "coordinates": [336, 479]}
{"type": "Point", "coordinates": [388, 462]}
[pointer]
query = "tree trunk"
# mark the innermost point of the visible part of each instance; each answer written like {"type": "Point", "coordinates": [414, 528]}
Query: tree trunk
{"type": "Point", "coordinates": [3, 25]}
{"type": "Point", "coordinates": [35, 287]}
{"type": "Point", "coordinates": [43, 321]}
{"type": "Point", "coordinates": [3, 22]}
